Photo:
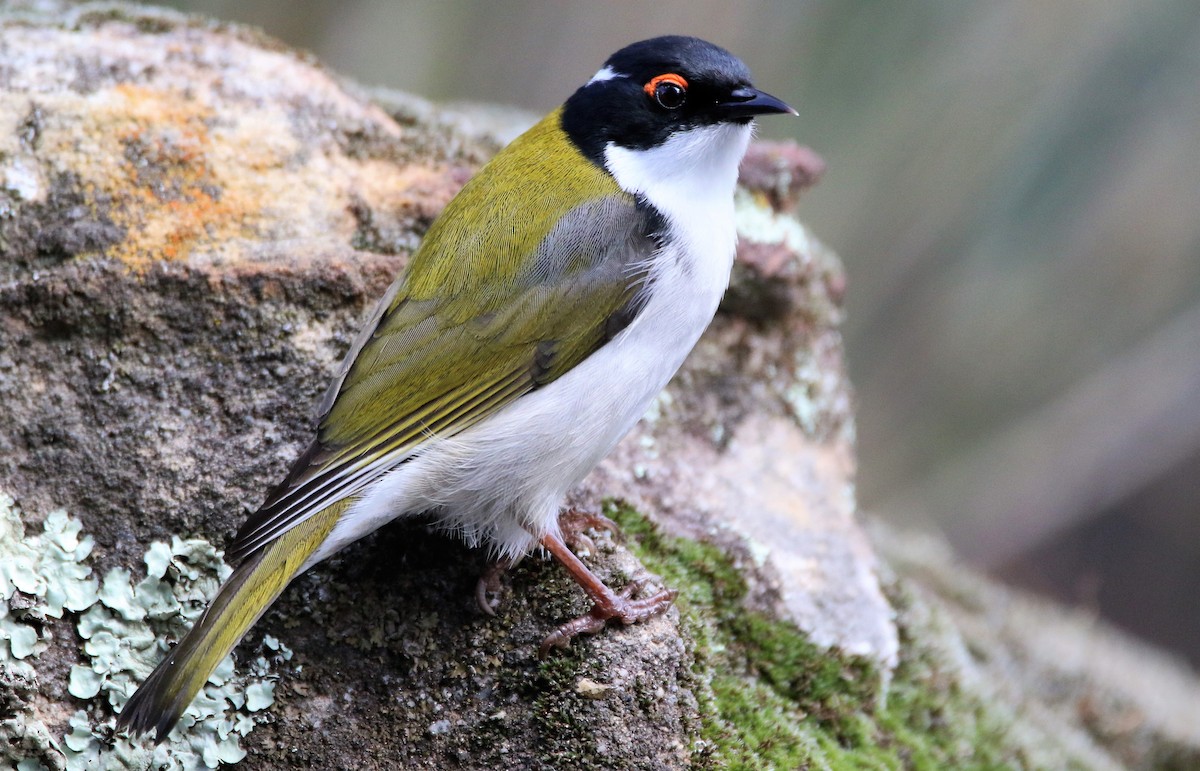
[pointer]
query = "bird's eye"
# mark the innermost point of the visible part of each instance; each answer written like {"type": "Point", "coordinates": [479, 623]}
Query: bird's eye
{"type": "Point", "coordinates": [669, 90]}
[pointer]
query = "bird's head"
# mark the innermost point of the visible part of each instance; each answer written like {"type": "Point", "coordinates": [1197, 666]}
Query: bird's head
{"type": "Point", "coordinates": [672, 96]}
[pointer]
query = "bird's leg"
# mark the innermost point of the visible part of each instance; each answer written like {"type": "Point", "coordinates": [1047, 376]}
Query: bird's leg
{"type": "Point", "coordinates": [573, 523]}
{"type": "Point", "coordinates": [489, 587]}
{"type": "Point", "coordinates": [607, 603]}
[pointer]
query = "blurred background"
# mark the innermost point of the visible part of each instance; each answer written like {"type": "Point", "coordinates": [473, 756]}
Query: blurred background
{"type": "Point", "coordinates": [1014, 186]}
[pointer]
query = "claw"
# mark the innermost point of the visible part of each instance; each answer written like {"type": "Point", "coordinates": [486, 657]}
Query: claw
{"type": "Point", "coordinates": [574, 522]}
{"type": "Point", "coordinates": [490, 586]}
{"type": "Point", "coordinates": [607, 603]}
{"type": "Point", "coordinates": [561, 637]}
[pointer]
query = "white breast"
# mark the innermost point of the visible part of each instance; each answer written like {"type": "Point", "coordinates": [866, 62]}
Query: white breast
{"type": "Point", "coordinates": [502, 481]}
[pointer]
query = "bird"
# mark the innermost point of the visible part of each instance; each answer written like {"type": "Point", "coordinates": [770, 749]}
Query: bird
{"type": "Point", "coordinates": [544, 310]}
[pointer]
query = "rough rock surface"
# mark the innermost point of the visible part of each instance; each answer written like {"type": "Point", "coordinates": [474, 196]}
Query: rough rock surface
{"type": "Point", "coordinates": [193, 223]}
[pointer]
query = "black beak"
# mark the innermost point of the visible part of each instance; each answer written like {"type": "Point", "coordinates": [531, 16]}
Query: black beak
{"type": "Point", "coordinates": [746, 102]}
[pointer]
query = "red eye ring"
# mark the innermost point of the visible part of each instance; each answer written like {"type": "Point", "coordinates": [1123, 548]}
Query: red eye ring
{"type": "Point", "coordinates": [669, 90]}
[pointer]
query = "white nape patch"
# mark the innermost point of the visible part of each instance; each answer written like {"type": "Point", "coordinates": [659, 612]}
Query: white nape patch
{"type": "Point", "coordinates": [690, 179]}
{"type": "Point", "coordinates": [605, 73]}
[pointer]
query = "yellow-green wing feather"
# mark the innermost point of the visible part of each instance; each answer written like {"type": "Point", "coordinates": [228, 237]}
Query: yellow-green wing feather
{"type": "Point", "coordinates": [507, 293]}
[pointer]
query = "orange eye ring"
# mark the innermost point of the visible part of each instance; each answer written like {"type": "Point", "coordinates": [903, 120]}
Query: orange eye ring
{"type": "Point", "coordinates": [669, 90]}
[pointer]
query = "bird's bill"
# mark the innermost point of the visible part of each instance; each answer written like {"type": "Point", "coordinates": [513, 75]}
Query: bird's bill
{"type": "Point", "coordinates": [746, 102]}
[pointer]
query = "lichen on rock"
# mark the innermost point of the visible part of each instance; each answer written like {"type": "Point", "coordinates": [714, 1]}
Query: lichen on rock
{"type": "Point", "coordinates": [49, 598]}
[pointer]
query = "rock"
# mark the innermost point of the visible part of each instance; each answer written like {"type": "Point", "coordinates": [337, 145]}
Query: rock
{"type": "Point", "coordinates": [194, 221]}
{"type": "Point", "coordinates": [1114, 700]}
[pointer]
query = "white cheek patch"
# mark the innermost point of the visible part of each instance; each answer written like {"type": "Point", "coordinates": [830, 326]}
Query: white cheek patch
{"type": "Point", "coordinates": [605, 73]}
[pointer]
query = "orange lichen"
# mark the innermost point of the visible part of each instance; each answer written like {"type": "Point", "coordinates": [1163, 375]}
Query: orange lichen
{"type": "Point", "coordinates": [180, 178]}
{"type": "Point", "coordinates": [172, 194]}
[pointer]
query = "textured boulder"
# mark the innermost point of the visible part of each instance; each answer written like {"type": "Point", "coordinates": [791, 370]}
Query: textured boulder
{"type": "Point", "coordinates": [193, 223]}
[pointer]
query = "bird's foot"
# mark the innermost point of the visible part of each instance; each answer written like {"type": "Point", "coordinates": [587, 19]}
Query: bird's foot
{"type": "Point", "coordinates": [491, 585]}
{"type": "Point", "coordinates": [607, 604]}
{"type": "Point", "coordinates": [573, 523]}
{"type": "Point", "coordinates": [627, 611]}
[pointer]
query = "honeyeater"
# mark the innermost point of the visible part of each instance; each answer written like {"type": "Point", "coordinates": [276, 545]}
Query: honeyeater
{"type": "Point", "coordinates": [548, 304]}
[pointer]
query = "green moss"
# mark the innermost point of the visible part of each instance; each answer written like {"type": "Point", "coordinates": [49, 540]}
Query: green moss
{"type": "Point", "coordinates": [771, 699]}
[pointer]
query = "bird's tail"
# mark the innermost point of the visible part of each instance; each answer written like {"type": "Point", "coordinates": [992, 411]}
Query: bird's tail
{"type": "Point", "coordinates": [249, 591]}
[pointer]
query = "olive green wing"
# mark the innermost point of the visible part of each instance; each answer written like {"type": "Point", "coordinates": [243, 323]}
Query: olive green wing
{"type": "Point", "coordinates": [435, 364]}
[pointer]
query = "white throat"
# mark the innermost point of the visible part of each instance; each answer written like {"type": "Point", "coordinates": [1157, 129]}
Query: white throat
{"type": "Point", "coordinates": [690, 179]}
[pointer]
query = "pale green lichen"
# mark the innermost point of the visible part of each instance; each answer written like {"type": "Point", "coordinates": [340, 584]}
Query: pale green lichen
{"type": "Point", "coordinates": [808, 396]}
{"type": "Point", "coordinates": [44, 577]}
{"type": "Point", "coordinates": [758, 222]}
{"type": "Point", "coordinates": [259, 696]}
{"type": "Point", "coordinates": [811, 386]}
